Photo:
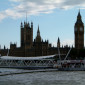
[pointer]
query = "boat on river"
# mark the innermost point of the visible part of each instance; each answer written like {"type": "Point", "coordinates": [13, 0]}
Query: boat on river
{"type": "Point", "coordinates": [70, 65]}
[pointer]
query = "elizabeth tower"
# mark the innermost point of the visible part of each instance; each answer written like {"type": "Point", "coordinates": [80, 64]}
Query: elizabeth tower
{"type": "Point", "coordinates": [79, 32]}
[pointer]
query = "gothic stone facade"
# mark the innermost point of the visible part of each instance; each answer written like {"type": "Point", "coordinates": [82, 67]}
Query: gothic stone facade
{"type": "Point", "coordinates": [79, 32]}
{"type": "Point", "coordinates": [30, 47]}
{"type": "Point", "coordinates": [38, 47]}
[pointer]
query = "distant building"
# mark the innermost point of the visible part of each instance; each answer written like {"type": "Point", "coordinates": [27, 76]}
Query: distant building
{"type": "Point", "coordinates": [38, 47]}
{"type": "Point", "coordinates": [79, 32]}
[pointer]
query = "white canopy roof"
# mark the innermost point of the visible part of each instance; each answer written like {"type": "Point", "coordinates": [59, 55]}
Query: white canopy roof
{"type": "Point", "coordinates": [26, 58]}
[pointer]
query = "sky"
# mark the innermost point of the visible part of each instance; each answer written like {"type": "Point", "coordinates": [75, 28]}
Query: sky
{"type": "Point", "coordinates": [56, 18]}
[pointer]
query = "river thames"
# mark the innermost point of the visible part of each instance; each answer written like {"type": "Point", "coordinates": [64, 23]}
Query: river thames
{"type": "Point", "coordinates": [43, 78]}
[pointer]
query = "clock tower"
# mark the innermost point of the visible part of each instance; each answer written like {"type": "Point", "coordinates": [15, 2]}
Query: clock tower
{"type": "Point", "coordinates": [79, 32]}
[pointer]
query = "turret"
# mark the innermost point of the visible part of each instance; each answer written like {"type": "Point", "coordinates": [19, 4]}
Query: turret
{"type": "Point", "coordinates": [38, 31]}
{"type": "Point", "coordinates": [22, 34]}
{"type": "Point", "coordinates": [21, 25]}
{"type": "Point", "coordinates": [12, 46]}
{"type": "Point", "coordinates": [4, 47]}
{"type": "Point", "coordinates": [38, 37]}
{"type": "Point", "coordinates": [79, 16]}
{"type": "Point", "coordinates": [24, 23]}
{"type": "Point", "coordinates": [28, 24]}
{"type": "Point", "coordinates": [58, 43]}
{"type": "Point", "coordinates": [32, 25]}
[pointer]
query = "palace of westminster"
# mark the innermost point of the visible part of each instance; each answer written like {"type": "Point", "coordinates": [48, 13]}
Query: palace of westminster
{"type": "Point", "coordinates": [38, 47]}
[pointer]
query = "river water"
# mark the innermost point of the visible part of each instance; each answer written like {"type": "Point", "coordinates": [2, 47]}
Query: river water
{"type": "Point", "coordinates": [45, 78]}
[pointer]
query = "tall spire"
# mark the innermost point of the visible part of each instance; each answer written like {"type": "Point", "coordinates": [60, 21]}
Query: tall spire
{"type": "Point", "coordinates": [58, 43]}
{"type": "Point", "coordinates": [38, 37]}
{"type": "Point", "coordinates": [38, 31]}
{"type": "Point", "coordinates": [58, 40]}
{"type": "Point", "coordinates": [79, 15]}
{"type": "Point", "coordinates": [79, 12]}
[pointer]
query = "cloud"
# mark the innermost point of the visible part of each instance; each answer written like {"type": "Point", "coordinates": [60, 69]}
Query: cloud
{"type": "Point", "coordinates": [73, 3]}
{"type": "Point", "coordinates": [65, 42]}
{"type": "Point", "coordinates": [12, 13]}
{"type": "Point", "coordinates": [2, 16]}
{"type": "Point", "coordinates": [36, 7]}
{"type": "Point", "coordinates": [68, 42]}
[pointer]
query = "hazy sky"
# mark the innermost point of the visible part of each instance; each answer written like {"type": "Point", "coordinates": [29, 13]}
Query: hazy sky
{"type": "Point", "coordinates": [56, 18]}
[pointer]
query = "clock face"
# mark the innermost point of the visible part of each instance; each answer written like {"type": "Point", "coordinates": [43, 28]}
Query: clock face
{"type": "Point", "coordinates": [81, 29]}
